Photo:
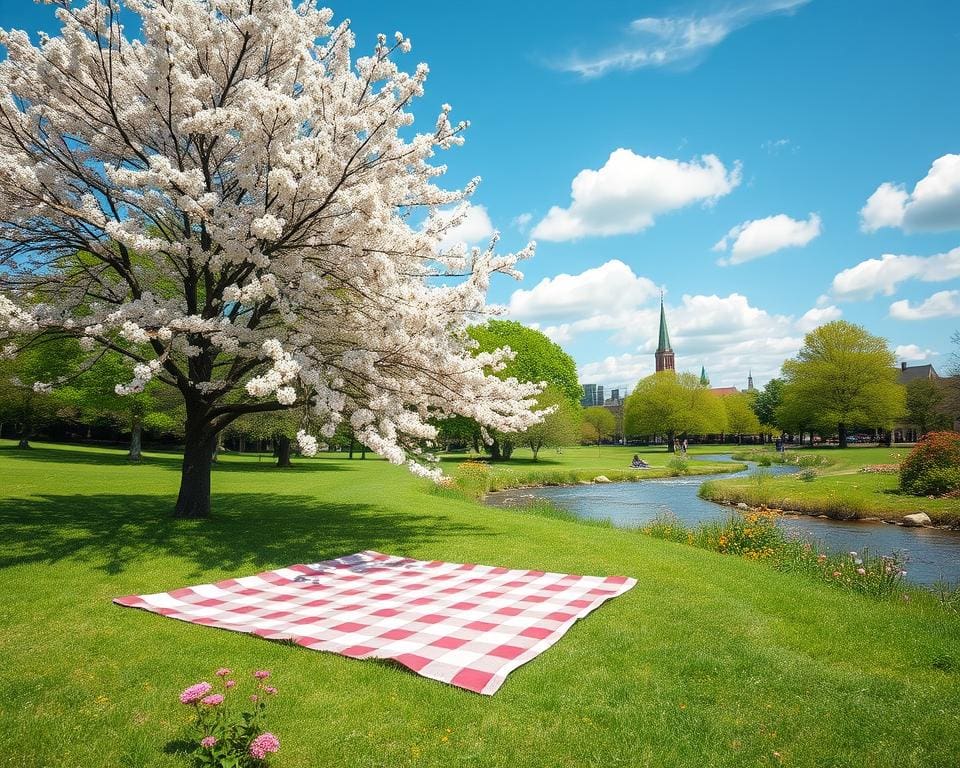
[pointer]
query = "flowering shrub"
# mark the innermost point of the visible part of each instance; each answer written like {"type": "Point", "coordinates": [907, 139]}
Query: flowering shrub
{"type": "Point", "coordinates": [678, 466]}
{"type": "Point", "coordinates": [473, 478]}
{"type": "Point", "coordinates": [755, 535]}
{"type": "Point", "coordinates": [933, 466]}
{"type": "Point", "coordinates": [232, 735]}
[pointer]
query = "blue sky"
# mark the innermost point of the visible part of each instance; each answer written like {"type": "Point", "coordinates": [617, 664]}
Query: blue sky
{"type": "Point", "coordinates": [796, 112]}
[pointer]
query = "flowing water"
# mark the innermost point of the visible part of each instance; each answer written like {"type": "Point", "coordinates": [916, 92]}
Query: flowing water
{"type": "Point", "coordinates": [932, 555]}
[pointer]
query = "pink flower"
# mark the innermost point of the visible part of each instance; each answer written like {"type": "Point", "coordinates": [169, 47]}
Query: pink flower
{"type": "Point", "coordinates": [230, 683]}
{"type": "Point", "coordinates": [254, 697]}
{"type": "Point", "coordinates": [261, 674]}
{"type": "Point", "coordinates": [223, 672]}
{"type": "Point", "coordinates": [861, 571]}
{"type": "Point", "coordinates": [213, 700]}
{"type": "Point", "coordinates": [270, 689]}
{"type": "Point", "coordinates": [264, 743]}
{"type": "Point", "coordinates": [194, 693]}
{"type": "Point", "coordinates": [208, 742]}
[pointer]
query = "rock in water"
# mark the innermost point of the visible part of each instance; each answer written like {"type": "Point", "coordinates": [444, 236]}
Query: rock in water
{"type": "Point", "coordinates": [917, 518]}
{"type": "Point", "coordinates": [601, 479]}
{"type": "Point", "coordinates": [741, 505]}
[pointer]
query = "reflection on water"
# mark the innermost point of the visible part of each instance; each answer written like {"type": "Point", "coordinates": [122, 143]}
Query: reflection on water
{"type": "Point", "coordinates": [931, 554]}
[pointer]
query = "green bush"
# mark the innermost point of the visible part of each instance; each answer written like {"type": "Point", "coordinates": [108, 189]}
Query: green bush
{"type": "Point", "coordinates": [807, 475]}
{"type": "Point", "coordinates": [678, 466]}
{"type": "Point", "coordinates": [933, 466]}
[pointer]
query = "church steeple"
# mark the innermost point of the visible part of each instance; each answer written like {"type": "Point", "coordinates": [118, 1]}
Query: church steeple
{"type": "Point", "coordinates": [704, 381]}
{"type": "Point", "coordinates": [750, 381]}
{"type": "Point", "coordinates": [664, 353]}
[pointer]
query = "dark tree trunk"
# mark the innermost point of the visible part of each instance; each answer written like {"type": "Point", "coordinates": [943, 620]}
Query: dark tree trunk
{"type": "Point", "coordinates": [536, 450]}
{"type": "Point", "coordinates": [670, 438]}
{"type": "Point", "coordinates": [136, 432]}
{"type": "Point", "coordinates": [352, 444]}
{"type": "Point", "coordinates": [842, 434]}
{"type": "Point", "coordinates": [494, 448]}
{"type": "Point", "coordinates": [283, 452]}
{"type": "Point", "coordinates": [194, 498]}
{"type": "Point", "coordinates": [241, 443]}
{"type": "Point", "coordinates": [507, 449]}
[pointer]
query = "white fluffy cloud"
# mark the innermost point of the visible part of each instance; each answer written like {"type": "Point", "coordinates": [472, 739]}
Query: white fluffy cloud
{"type": "Point", "coordinates": [933, 206]}
{"type": "Point", "coordinates": [630, 190]}
{"type": "Point", "coordinates": [911, 352]}
{"type": "Point", "coordinates": [475, 228]}
{"type": "Point", "coordinates": [883, 275]}
{"type": "Point", "coordinates": [522, 221]}
{"type": "Point", "coordinates": [761, 237]}
{"type": "Point", "coordinates": [940, 304]}
{"type": "Point", "coordinates": [663, 40]}
{"type": "Point", "coordinates": [817, 316]}
{"type": "Point", "coordinates": [610, 288]}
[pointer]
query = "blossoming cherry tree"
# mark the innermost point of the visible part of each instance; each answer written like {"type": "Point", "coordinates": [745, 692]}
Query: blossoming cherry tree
{"type": "Point", "coordinates": [242, 209]}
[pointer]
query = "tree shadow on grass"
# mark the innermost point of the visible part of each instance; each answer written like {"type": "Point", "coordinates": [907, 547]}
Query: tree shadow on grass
{"type": "Point", "coordinates": [114, 532]}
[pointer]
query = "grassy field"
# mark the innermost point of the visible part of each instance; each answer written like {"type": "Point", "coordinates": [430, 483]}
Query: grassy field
{"type": "Point", "coordinates": [839, 489]}
{"type": "Point", "coordinates": [708, 661]}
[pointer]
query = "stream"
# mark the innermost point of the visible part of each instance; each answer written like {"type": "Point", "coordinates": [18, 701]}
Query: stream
{"type": "Point", "coordinates": [931, 555]}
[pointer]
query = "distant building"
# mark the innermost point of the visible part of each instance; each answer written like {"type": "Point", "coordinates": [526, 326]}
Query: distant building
{"type": "Point", "coordinates": [724, 391]}
{"type": "Point", "coordinates": [592, 395]}
{"type": "Point", "coordinates": [704, 381]}
{"type": "Point", "coordinates": [664, 353]}
{"type": "Point", "coordinates": [750, 387]}
{"type": "Point", "coordinates": [904, 432]}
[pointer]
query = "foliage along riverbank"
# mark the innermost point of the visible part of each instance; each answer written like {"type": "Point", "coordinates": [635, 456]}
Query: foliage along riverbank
{"type": "Point", "coordinates": [475, 477]}
{"type": "Point", "coordinates": [852, 484]}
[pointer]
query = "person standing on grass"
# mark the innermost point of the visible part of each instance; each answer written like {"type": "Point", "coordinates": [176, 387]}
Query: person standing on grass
{"type": "Point", "coordinates": [683, 446]}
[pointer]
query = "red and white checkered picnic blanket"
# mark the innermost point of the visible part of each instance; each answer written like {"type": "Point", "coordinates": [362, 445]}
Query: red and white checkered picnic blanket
{"type": "Point", "coordinates": [464, 624]}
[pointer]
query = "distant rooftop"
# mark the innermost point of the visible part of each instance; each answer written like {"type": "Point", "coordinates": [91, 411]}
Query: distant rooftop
{"type": "Point", "coordinates": [910, 373]}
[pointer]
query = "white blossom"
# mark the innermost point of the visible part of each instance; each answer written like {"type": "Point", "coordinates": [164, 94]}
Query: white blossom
{"type": "Point", "coordinates": [293, 272]}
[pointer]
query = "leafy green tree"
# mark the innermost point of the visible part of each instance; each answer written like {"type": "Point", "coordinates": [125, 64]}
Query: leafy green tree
{"type": "Point", "coordinates": [25, 397]}
{"type": "Point", "coordinates": [766, 402]}
{"type": "Point", "coordinates": [559, 428]}
{"type": "Point", "coordinates": [673, 404]}
{"type": "Point", "coordinates": [598, 424]}
{"type": "Point", "coordinates": [741, 418]}
{"type": "Point", "coordinates": [537, 359]}
{"type": "Point", "coordinates": [925, 405]}
{"type": "Point", "coordinates": [845, 376]}
{"type": "Point", "coordinates": [93, 395]}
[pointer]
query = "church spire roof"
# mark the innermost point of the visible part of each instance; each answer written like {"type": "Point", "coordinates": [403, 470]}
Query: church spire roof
{"type": "Point", "coordinates": [704, 381]}
{"type": "Point", "coordinates": [664, 345]}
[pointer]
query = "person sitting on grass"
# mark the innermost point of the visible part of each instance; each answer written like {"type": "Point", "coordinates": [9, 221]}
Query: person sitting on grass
{"type": "Point", "coordinates": [638, 463]}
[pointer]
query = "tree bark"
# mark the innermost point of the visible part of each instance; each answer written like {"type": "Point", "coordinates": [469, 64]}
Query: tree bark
{"type": "Point", "coordinates": [507, 449]}
{"type": "Point", "coordinates": [136, 432]}
{"type": "Point", "coordinates": [842, 434]}
{"type": "Point", "coordinates": [670, 438]}
{"type": "Point", "coordinates": [283, 452]}
{"type": "Point", "coordinates": [194, 498]}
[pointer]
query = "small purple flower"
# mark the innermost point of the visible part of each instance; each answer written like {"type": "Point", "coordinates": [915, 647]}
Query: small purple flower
{"type": "Point", "coordinates": [213, 700]}
{"type": "Point", "coordinates": [264, 744]}
{"type": "Point", "coordinates": [195, 692]}
{"type": "Point", "coordinates": [254, 697]}
{"type": "Point", "coordinates": [223, 672]}
{"type": "Point", "coordinates": [208, 742]}
{"type": "Point", "coordinates": [261, 674]}
{"type": "Point", "coordinates": [270, 689]}
{"type": "Point", "coordinates": [230, 683]}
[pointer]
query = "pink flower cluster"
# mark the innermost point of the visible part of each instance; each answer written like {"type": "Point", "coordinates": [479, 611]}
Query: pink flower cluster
{"type": "Point", "coordinates": [208, 742]}
{"type": "Point", "coordinates": [261, 674]}
{"type": "Point", "coordinates": [195, 692]}
{"type": "Point", "coordinates": [213, 700]}
{"type": "Point", "coordinates": [264, 744]}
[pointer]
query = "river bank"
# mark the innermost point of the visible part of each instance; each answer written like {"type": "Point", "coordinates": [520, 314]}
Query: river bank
{"type": "Point", "coordinates": [855, 484]}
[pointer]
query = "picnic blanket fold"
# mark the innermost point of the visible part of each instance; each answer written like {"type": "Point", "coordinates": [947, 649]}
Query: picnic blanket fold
{"type": "Point", "coordinates": [464, 624]}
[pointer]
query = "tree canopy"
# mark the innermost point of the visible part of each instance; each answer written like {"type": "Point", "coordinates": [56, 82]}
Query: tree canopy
{"type": "Point", "coordinates": [843, 376]}
{"type": "Point", "coordinates": [560, 427]}
{"type": "Point", "coordinates": [740, 416]}
{"type": "Point", "coordinates": [672, 404]}
{"type": "Point", "coordinates": [537, 357]}
{"type": "Point", "coordinates": [232, 201]}
{"type": "Point", "coordinates": [598, 424]}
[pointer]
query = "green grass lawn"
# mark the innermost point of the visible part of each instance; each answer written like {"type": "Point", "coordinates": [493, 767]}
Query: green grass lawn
{"type": "Point", "coordinates": [839, 489]}
{"type": "Point", "coordinates": [708, 661]}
